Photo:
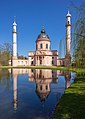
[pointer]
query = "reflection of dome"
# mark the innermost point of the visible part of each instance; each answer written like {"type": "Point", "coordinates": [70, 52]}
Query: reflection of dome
{"type": "Point", "coordinates": [43, 35]}
{"type": "Point", "coordinates": [42, 96]}
{"type": "Point", "coordinates": [42, 91]}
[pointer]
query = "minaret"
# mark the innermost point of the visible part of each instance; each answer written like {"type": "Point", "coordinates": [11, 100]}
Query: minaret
{"type": "Point", "coordinates": [68, 38]}
{"type": "Point", "coordinates": [14, 40]}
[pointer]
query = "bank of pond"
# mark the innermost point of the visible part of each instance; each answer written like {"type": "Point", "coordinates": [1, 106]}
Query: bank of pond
{"type": "Point", "coordinates": [72, 103]}
{"type": "Point", "coordinates": [77, 70]}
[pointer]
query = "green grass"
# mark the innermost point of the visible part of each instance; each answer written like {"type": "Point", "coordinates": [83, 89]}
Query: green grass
{"type": "Point", "coordinates": [77, 70]}
{"type": "Point", "coordinates": [72, 103]}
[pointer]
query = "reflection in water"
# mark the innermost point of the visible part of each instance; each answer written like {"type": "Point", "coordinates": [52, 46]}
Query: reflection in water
{"type": "Point", "coordinates": [5, 78]}
{"type": "Point", "coordinates": [4, 74]}
{"type": "Point", "coordinates": [31, 94]}
{"type": "Point", "coordinates": [15, 73]}
{"type": "Point", "coordinates": [42, 78]}
{"type": "Point", "coordinates": [15, 90]}
{"type": "Point", "coordinates": [67, 78]}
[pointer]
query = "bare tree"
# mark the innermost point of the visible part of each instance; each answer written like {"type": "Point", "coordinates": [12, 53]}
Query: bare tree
{"type": "Point", "coordinates": [5, 53]}
{"type": "Point", "coordinates": [79, 38]}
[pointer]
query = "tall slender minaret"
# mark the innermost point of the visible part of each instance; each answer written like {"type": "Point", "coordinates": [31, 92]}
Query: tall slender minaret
{"type": "Point", "coordinates": [68, 38]}
{"type": "Point", "coordinates": [14, 40]}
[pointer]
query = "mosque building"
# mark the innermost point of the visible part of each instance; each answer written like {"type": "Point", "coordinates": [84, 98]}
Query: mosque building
{"type": "Point", "coordinates": [43, 55]}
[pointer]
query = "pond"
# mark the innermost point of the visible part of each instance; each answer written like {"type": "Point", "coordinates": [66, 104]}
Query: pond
{"type": "Point", "coordinates": [31, 94]}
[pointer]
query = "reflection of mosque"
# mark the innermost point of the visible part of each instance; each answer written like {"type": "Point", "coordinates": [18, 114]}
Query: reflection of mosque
{"type": "Point", "coordinates": [42, 78]}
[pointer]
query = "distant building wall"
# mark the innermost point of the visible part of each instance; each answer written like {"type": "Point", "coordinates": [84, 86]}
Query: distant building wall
{"type": "Point", "coordinates": [61, 62]}
{"type": "Point", "coordinates": [20, 62]}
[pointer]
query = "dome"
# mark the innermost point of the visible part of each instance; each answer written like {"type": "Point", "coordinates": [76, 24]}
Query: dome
{"type": "Point", "coordinates": [43, 96]}
{"type": "Point", "coordinates": [43, 35]}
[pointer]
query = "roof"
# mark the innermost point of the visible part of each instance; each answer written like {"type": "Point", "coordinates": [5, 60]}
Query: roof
{"type": "Point", "coordinates": [68, 14]}
{"type": "Point", "coordinates": [14, 24]}
{"type": "Point", "coordinates": [43, 35]}
{"type": "Point", "coordinates": [22, 58]}
{"type": "Point", "coordinates": [43, 96]}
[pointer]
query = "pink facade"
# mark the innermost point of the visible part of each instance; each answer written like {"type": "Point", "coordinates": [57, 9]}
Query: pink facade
{"type": "Point", "coordinates": [43, 55]}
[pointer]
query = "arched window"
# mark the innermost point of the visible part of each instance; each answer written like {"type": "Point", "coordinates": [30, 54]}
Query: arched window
{"type": "Point", "coordinates": [52, 62]}
{"type": "Point", "coordinates": [46, 87]}
{"type": "Point", "coordinates": [41, 45]}
{"type": "Point", "coordinates": [68, 22]}
{"type": "Point", "coordinates": [40, 61]}
{"type": "Point", "coordinates": [41, 87]}
{"type": "Point", "coordinates": [46, 46]}
{"type": "Point", "coordinates": [31, 62]}
{"type": "Point", "coordinates": [36, 46]}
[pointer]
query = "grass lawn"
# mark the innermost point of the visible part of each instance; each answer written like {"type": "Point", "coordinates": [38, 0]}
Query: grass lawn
{"type": "Point", "coordinates": [77, 70]}
{"type": "Point", "coordinates": [72, 103]}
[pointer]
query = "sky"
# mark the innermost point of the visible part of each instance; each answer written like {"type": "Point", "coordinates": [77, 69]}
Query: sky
{"type": "Point", "coordinates": [30, 16]}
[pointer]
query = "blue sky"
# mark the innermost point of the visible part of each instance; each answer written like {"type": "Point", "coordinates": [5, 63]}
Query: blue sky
{"type": "Point", "coordinates": [30, 15]}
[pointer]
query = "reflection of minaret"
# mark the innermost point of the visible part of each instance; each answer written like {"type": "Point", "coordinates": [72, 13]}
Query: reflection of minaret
{"type": "Point", "coordinates": [14, 40]}
{"type": "Point", "coordinates": [67, 78]}
{"type": "Point", "coordinates": [15, 91]}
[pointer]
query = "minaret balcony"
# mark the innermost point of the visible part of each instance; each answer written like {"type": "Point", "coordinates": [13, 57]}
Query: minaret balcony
{"type": "Point", "coordinates": [14, 32]}
{"type": "Point", "coordinates": [68, 24]}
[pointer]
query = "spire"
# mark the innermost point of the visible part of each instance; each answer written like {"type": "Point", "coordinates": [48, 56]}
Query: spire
{"type": "Point", "coordinates": [14, 18]}
{"type": "Point", "coordinates": [68, 14]}
{"type": "Point", "coordinates": [42, 27]}
{"type": "Point", "coordinates": [43, 30]}
{"type": "Point", "coordinates": [14, 23]}
{"type": "Point", "coordinates": [68, 11]}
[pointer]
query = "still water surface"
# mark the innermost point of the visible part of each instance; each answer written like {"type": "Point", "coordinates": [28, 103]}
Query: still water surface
{"type": "Point", "coordinates": [31, 94]}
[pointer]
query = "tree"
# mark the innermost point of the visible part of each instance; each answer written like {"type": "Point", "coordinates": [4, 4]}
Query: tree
{"type": "Point", "coordinates": [79, 38]}
{"type": "Point", "coordinates": [5, 53]}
